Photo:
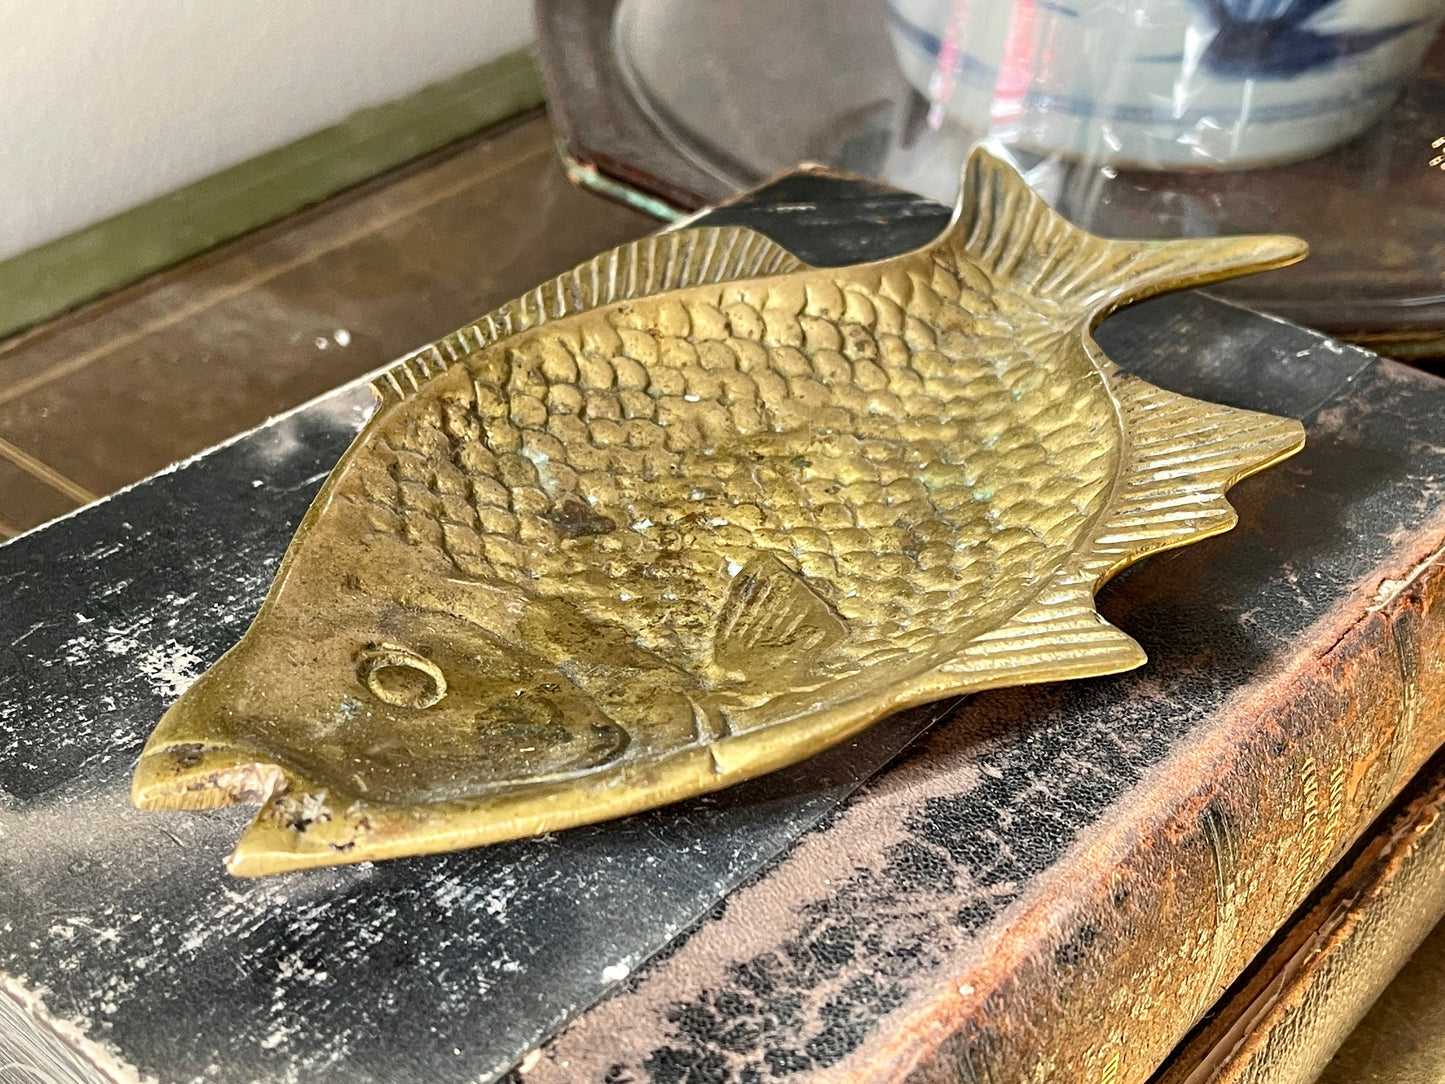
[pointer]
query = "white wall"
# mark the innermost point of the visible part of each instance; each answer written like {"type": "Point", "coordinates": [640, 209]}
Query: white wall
{"type": "Point", "coordinates": [105, 104]}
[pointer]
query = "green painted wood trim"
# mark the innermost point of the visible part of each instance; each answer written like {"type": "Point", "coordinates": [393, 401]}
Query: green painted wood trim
{"type": "Point", "coordinates": [589, 176]}
{"type": "Point", "coordinates": [80, 266]}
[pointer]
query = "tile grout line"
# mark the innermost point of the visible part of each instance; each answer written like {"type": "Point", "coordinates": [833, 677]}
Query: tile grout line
{"type": "Point", "coordinates": [45, 472]}
{"type": "Point", "coordinates": [226, 293]}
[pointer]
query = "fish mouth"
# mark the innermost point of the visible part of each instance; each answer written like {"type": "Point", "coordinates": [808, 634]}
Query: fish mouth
{"type": "Point", "coordinates": [294, 829]}
{"type": "Point", "coordinates": [195, 775]}
{"type": "Point", "coordinates": [199, 775]}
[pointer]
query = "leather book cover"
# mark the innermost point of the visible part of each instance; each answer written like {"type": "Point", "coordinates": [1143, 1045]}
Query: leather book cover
{"type": "Point", "coordinates": [1043, 884]}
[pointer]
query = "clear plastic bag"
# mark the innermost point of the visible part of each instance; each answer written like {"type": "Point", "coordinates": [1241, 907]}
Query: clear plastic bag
{"type": "Point", "coordinates": [1134, 117]}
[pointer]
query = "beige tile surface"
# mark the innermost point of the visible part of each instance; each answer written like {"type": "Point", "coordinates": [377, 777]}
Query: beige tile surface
{"type": "Point", "coordinates": [26, 500]}
{"type": "Point", "coordinates": [121, 388]}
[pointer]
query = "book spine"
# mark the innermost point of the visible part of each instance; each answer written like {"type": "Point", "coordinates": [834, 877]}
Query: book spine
{"type": "Point", "coordinates": [1295, 1005]}
{"type": "Point", "coordinates": [1204, 888]}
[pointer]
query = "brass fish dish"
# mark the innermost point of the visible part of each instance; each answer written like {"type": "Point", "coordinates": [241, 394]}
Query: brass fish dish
{"type": "Point", "coordinates": [695, 511]}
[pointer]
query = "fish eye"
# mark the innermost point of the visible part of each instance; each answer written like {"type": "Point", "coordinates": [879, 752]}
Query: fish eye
{"type": "Point", "coordinates": [400, 677]}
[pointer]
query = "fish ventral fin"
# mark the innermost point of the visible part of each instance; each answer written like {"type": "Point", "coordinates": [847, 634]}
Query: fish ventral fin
{"type": "Point", "coordinates": [771, 616]}
{"type": "Point", "coordinates": [649, 265]}
{"type": "Point", "coordinates": [1058, 636]}
{"type": "Point", "coordinates": [1005, 228]}
{"type": "Point", "coordinates": [1181, 458]}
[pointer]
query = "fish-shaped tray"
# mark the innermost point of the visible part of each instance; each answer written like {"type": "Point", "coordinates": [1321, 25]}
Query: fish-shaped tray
{"type": "Point", "coordinates": [694, 511]}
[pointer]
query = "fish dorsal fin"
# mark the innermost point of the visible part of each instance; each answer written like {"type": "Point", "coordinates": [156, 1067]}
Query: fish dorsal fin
{"type": "Point", "coordinates": [649, 265]}
{"type": "Point", "coordinates": [1003, 227]}
{"type": "Point", "coordinates": [772, 617]}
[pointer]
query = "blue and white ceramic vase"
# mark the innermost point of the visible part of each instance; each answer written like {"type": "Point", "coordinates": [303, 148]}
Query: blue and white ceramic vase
{"type": "Point", "coordinates": [1164, 83]}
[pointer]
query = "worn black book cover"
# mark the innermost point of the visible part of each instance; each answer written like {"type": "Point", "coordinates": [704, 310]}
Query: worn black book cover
{"type": "Point", "coordinates": [1053, 881]}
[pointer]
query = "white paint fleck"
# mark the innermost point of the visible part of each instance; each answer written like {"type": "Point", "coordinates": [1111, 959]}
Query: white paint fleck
{"type": "Point", "coordinates": [734, 568]}
{"type": "Point", "coordinates": [496, 900]}
{"type": "Point", "coordinates": [529, 1063]}
{"type": "Point", "coordinates": [322, 342]}
{"type": "Point", "coordinates": [33, 628]}
{"type": "Point", "coordinates": [76, 650]}
{"type": "Point", "coordinates": [120, 641]}
{"type": "Point", "coordinates": [642, 524]}
{"type": "Point", "coordinates": [341, 336]}
{"type": "Point", "coordinates": [615, 972]}
{"type": "Point", "coordinates": [172, 668]}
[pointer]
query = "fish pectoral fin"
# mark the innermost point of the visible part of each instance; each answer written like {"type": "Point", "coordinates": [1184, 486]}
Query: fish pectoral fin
{"type": "Point", "coordinates": [771, 617]}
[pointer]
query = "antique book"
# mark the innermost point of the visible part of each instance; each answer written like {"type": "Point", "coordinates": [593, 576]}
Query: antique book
{"type": "Point", "coordinates": [1302, 996]}
{"type": "Point", "coordinates": [1052, 883]}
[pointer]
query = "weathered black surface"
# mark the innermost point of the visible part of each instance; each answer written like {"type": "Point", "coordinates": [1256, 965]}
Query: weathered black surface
{"type": "Point", "coordinates": [451, 967]}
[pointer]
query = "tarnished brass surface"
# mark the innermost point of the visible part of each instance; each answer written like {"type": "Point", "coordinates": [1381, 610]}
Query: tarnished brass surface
{"type": "Point", "coordinates": [695, 511]}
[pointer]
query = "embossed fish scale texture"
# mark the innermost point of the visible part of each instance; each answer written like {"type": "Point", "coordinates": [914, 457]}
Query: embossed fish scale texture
{"type": "Point", "coordinates": [695, 510]}
{"type": "Point", "coordinates": [920, 445]}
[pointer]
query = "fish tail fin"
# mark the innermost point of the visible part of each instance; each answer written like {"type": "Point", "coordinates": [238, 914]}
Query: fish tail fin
{"type": "Point", "coordinates": [1005, 228]}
